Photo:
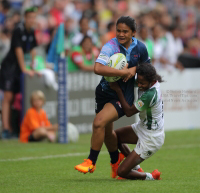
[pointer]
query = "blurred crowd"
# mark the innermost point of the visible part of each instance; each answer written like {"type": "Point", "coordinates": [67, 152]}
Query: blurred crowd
{"type": "Point", "coordinates": [167, 27]}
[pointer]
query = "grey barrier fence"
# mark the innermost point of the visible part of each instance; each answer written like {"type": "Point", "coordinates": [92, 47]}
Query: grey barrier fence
{"type": "Point", "coordinates": [81, 103]}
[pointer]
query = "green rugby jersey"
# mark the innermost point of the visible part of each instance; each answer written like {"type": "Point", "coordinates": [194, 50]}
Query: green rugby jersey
{"type": "Point", "coordinates": [150, 105]}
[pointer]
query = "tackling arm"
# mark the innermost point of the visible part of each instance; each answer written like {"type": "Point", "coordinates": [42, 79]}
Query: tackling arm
{"type": "Point", "coordinates": [128, 110]}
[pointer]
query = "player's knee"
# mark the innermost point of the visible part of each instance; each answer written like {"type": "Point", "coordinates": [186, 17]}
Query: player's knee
{"type": "Point", "coordinates": [122, 172]}
{"type": "Point", "coordinates": [98, 123]}
{"type": "Point", "coordinates": [42, 132]}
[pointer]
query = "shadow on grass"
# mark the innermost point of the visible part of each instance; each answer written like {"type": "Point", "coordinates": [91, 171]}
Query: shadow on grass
{"type": "Point", "coordinates": [95, 180]}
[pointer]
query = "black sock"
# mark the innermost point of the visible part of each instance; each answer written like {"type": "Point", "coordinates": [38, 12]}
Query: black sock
{"type": "Point", "coordinates": [114, 156]}
{"type": "Point", "coordinates": [93, 155]}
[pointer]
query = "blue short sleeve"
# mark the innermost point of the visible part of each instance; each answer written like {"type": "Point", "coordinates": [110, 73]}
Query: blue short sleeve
{"type": "Point", "coordinates": [107, 51]}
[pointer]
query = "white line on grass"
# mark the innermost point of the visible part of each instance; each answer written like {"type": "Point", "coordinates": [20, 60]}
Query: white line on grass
{"type": "Point", "coordinates": [47, 157]}
{"type": "Point", "coordinates": [86, 153]}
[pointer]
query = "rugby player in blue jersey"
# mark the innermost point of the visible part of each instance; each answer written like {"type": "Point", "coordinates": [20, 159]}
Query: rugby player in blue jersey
{"type": "Point", "coordinates": [108, 108]}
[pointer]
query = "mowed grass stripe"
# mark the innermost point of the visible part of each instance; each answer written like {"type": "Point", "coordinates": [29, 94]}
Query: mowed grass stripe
{"type": "Point", "coordinates": [86, 153]}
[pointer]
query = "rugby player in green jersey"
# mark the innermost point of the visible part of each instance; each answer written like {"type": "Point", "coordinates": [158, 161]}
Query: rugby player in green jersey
{"type": "Point", "coordinates": [148, 133]}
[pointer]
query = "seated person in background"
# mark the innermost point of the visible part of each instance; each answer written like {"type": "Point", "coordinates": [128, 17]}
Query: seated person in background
{"type": "Point", "coordinates": [83, 57]}
{"type": "Point", "coordinates": [35, 125]}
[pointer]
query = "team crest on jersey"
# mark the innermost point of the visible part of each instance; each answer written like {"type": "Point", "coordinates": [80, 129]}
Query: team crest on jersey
{"type": "Point", "coordinates": [140, 103]}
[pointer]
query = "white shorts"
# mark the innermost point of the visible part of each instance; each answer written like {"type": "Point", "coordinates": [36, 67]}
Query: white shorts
{"type": "Point", "coordinates": [149, 141]}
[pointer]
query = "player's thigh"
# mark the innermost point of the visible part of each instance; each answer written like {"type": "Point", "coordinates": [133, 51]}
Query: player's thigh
{"type": "Point", "coordinates": [107, 115]}
{"type": "Point", "coordinates": [126, 135]}
{"type": "Point", "coordinates": [130, 162]}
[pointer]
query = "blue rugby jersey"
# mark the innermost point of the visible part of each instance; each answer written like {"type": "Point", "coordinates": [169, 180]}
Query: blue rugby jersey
{"type": "Point", "coordinates": [135, 54]}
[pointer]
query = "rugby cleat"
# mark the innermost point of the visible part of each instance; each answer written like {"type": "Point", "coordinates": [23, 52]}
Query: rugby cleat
{"type": "Point", "coordinates": [140, 170]}
{"type": "Point", "coordinates": [114, 167]}
{"type": "Point", "coordinates": [156, 175]}
{"type": "Point", "coordinates": [120, 178]}
{"type": "Point", "coordinates": [86, 166]}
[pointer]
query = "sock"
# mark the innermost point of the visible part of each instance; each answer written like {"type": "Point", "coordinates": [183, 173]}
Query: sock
{"type": "Point", "coordinates": [93, 155]}
{"type": "Point", "coordinates": [114, 156]}
{"type": "Point", "coordinates": [136, 167]}
{"type": "Point", "coordinates": [149, 176]}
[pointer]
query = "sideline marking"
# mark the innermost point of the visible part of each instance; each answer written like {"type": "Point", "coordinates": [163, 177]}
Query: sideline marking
{"type": "Point", "coordinates": [86, 153]}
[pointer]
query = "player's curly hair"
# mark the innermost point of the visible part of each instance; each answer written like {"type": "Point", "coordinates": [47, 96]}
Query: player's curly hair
{"type": "Point", "coordinates": [148, 71]}
{"type": "Point", "coordinates": [130, 22]}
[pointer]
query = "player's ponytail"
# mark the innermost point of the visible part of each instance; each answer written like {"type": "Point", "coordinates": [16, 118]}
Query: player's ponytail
{"type": "Point", "coordinates": [148, 72]}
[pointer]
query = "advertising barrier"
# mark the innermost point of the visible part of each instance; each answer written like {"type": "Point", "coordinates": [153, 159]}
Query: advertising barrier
{"type": "Point", "coordinates": [180, 93]}
{"type": "Point", "coordinates": [181, 97]}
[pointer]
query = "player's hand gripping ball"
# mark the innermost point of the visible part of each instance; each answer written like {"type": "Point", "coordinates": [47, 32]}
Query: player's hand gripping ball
{"type": "Point", "coordinates": [117, 61]}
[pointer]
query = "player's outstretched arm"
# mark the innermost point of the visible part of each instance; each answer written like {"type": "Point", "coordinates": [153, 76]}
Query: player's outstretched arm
{"type": "Point", "coordinates": [128, 110]}
{"type": "Point", "coordinates": [103, 70]}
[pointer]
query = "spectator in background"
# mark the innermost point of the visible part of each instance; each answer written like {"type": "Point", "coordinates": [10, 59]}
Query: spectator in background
{"type": "Point", "coordinates": [16, 17]}
{"type": "Point", "coordinates": [159, 41]}
{"type": "Point", "coordinates": [36, 126]}
{"type": "Point", "coordinates": [174, 47]}
{"type": "Point", "coordinates": [9, 24]}
{"type": "Point", "coordinates": [94, 22]}
{"type": "Point", "coordinates": [74, 9]}
{"type": "Point", "coordinates": [83, 57]}
{"type": "Point", "coordinates": [22, 43]}
{"type": "Point", "coordinates": [4, 9]}
{"type": "Point", "coordinates": [57, 12]}
{"type": "Point", "coordinates": [41, 32]}
{"type": "Point", "coordinates": [69, 33]}
{"type": "Point", "coordinates": [111, 33]}
{"type": "Point", "coordinates": [144, 37]}
{"type": "Point", "coordinates": [85, 30]}
{"type": "Point", "coordinates": [16, 4]}
{"type": "Point", "coordinates": [45, 7]}
{"type": "Point", "coordinates": [4, 43]}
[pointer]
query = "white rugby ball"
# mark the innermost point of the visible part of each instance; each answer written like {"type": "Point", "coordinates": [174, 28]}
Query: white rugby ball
{"type": "Point", "coordinates": [73, 134]}
{"type": "Point", "coordinates": [117, 61]}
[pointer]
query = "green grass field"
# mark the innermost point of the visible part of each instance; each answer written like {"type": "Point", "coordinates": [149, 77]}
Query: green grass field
{"type": "Point", "coordinates": [44, 167]}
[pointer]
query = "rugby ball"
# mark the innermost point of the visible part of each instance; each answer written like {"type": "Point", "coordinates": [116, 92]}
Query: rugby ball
{"type": "Point", "coordinates": [117, 61]}
{"type": "Point", "coordinates": [73, 134]}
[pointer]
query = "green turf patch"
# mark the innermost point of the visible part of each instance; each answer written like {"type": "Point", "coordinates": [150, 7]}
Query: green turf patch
{"type": "Point", "coordinates": [45, 167]}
